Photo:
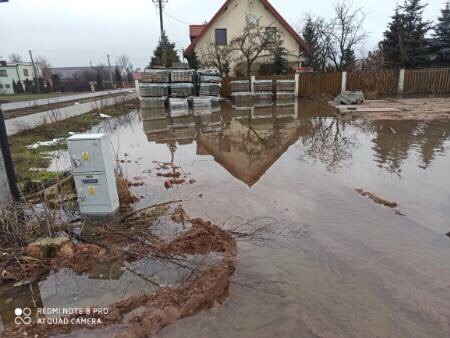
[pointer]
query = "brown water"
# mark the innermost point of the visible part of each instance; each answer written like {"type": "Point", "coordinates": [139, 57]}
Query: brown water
{"type": "Point", "coordinates": [334, 264]}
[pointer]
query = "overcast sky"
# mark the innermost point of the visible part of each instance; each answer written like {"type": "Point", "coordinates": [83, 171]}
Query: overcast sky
{"type": "Point", "coordinates": [75, 32]}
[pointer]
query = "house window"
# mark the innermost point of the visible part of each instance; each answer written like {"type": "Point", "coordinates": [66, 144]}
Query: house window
{"type": "Point", "coordinates": [3, 73]}
{"type": "Point", "coordinates": [7, 86]}
{"type": "Point", "coordinates": [1, 86]}
{"type": "Point", "coordinates": [25, 72]}
{"type": "Point", "coordinates": [271, 33]}
{"type": "Point", "coordinates": [221, 36]}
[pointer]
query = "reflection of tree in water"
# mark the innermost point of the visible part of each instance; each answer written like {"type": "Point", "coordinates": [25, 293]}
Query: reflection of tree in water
{"type": "Point", "coordinates": [172, 145]}
{"type": "Point", "coordinates": [328, 141]}
{"type": "Point", "coordinates": [252, 141]}
{"type": "Point", "coordinates": [395, 139]}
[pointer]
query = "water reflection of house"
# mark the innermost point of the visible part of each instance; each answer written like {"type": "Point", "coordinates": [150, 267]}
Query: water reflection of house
{"type": "Point", "coordinates": [249, 147]}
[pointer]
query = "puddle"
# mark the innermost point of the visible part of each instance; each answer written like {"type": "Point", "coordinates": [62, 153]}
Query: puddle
{"type": "Point", "coordinates": [349, 267]}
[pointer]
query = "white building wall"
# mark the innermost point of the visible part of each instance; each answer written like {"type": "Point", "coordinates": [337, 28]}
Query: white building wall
{"type": "Point", "coordinates": [233, 19]}
{"type": "Point", "coordinates": [19, 72]}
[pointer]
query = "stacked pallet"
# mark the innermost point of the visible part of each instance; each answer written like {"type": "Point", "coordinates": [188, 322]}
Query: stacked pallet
{"type": "Point", "coordinates": [181, 89]}
{"type": "Point", "coordinates": [286, 90]}
{"type": "Point", "coordinates": [209, 93]}
{"type": "Point", "coordinates": [154, 88]}
{"type": "Point", "coordinates": [263, 92]}
{"type": "Point", "coordinates": [240, 93]}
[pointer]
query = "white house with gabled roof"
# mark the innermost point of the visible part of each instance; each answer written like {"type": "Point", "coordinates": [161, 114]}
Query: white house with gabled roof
{"type": "Point", "coordinates": [229, 22]}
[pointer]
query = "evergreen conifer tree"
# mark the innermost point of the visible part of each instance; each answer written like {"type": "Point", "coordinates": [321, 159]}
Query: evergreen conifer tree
{"type": "Point", "coordinates": [441, 36]}
{"type": "Point", "coordinates": [170, 53]}
{"type": "Point", "coordinates": [280, 63]}
{"type": "Point", "coordinates": [405, 43]}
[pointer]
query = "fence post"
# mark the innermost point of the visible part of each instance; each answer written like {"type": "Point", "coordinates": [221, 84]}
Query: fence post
{"type": "Point", "coordinates": [297, 85]}
{"type": "Point", "coordinates": [401, 82]}
{"type": "Point", "coordinates": [136, 85]}
{"type": "Point", "coordinates": [252, 83]}
{"type": "Point", "coordinates": [344, 82]}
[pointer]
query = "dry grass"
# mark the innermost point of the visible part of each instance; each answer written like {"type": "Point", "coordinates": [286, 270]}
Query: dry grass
{"type": "Point", "coordinates": [126, 197]}
{"type": "Point", "coordinates": [24, 223]}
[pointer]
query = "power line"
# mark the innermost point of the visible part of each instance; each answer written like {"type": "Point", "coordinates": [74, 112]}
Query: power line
{"type": "Point", "coordinates": [175, 18]}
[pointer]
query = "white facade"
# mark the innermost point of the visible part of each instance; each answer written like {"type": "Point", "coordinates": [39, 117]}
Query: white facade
{"type": "Point", "coordinates": [14, 72]}
{"type": "Point", "coordinates": [232, 19]}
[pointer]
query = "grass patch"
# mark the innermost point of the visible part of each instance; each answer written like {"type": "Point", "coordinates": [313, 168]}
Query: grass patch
{"type": "Point", "coordinates": [24, 158]}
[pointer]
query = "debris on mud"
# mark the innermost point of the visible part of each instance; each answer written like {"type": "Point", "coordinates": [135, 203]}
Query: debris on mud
{"type": "Point", "coordinates": [381, 201]}
{"type": "Point", "coordinates": [173, 174]}
{"type": "Point", "coordinates": [377, 199]}
{"type": "Point", "coordinates": [132, 240]}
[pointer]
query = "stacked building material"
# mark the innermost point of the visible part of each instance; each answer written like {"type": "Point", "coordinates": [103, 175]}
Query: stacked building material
{"type": "Point", "coordinates": [209, 89]}
{"type": "Point", "coordinates": [156, 75]}
{"type": "Point", "coordinates": [181, 122]}
{"type": "Point", "coordinates": [263, 86]}
{"type": "Point", "coordinates": [242, 99]}
{"type": "Point", "coordinates": [153, 89]}
{"type": "Point", "coordinates": [263, 98]}
{"type": "Point", "coordinates": [181, 90]}
{"type": "Point", "coordinates": [178, 107]}
{"type": "Point", "coordinates": [286, 86]}
{"type": "Point", "coordinates": [240, 86]}
{"type": "Point", "coordinates": [209, 77]}
{"type": "Point", "coordinates": [240, 94]}
{"type": "Point", "coordinates": [182, 75]}
{"type": "Point", "coordinates": [151, 114]}
{"type": "Point", "coordinates": [287, 97]}
{"type": "Point", "coordinates": [210, 84]}
{"type": "Point", "coordinates": [153, 102]}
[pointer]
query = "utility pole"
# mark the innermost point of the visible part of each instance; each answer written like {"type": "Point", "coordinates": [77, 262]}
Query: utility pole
{"type": "Point", "coordinates": [110, 72]}
{"type": "Point", "coordinates": [161, 24]}
{"type": "Point", "coordinates": [8, 181]}
{"type": "Point", "coordinates": [36, 82]}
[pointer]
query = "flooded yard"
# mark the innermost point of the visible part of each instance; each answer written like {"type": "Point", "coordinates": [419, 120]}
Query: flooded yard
{"type": "Point", "coordinates": [333, 264]}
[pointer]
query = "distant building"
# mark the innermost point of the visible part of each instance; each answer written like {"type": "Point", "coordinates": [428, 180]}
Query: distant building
{"type": "Point", "coordinates": [229, 22]}
{"type": "Point", "coordinates": [15, 72]}
{"type": "Point", "coordinates": [66, 73]}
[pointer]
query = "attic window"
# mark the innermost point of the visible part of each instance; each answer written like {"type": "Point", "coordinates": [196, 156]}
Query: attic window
{"type": "Point", "coordinates": [271, 34]}
{"type": "Point", "coordinates": [221, 36]}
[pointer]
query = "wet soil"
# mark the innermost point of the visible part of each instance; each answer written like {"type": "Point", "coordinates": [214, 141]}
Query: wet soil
{"type": "Point", "coordinates": [158, 309]}
{"type": "Point", "coordinates": [335, 264]}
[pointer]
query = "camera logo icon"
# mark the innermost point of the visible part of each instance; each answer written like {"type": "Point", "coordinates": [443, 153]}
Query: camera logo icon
{"type": "Point", "coordinates": [23, 316]}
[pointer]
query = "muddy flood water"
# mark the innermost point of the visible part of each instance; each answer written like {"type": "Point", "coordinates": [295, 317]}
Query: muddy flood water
{"type": "Point", "coordinates": [332, 263]}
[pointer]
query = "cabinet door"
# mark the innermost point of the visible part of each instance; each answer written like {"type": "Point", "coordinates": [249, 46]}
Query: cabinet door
{"type": "Point", "coordinates": [86, 156]}
{"type": "Point", "coordinates": [92, 190]}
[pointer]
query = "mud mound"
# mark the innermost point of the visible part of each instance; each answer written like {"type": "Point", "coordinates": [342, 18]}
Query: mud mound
{"type": "Point", "coordinates": [167, 304]}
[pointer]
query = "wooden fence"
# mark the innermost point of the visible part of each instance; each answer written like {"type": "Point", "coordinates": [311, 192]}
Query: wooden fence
{"type": "Point", "coordinates": [374, 84]}
{"type": "Point", "coordinates": [433, 81]}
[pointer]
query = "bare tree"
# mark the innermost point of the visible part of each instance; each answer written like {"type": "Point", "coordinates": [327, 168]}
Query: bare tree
{"type": "Point", "coordinates": [45, 66]}
{"type": "Point", "coordinates": [217, 56]}
{"type": "Point", "coordinates": [254, 40]}
{"type": "Point", "coordinates": [345, 34]}
{"type": "Point", "coordinates": [124, 62]}
{"type": "Point", "coordinates": [15, 58]}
